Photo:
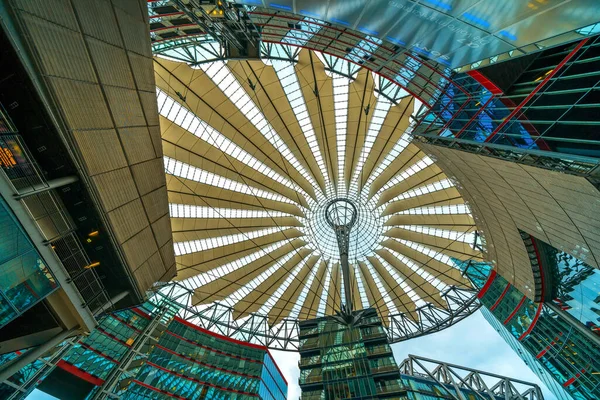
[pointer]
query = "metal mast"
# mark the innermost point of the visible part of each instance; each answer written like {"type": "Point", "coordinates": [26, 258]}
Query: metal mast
{"type": "Point", "coordinates": [341, 215]}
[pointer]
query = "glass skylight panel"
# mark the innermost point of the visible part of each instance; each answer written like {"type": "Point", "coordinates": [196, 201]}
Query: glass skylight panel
{"type": "Point", "coordinates": [364, 49]}
{"type": "Point", "coordinates": [382, 107]}
{"type": "Point", "coordinates": [325, 293]}
{"type": "Point", "coordinates": [226, 81]}
{"type": "Point", "coordinates": [190, 211]}
{"type": "Point", "coordinates": [190, 122]}
{"type": "Point", "coordinates": [194, 246]}
{"type": "Point", "coordinates": [448, 210]}
{"type": "Point", "coordinates": [432, 187]}
{"type": "Point", "coordinates": [304, 293]}
{"type": "Point", "coordinates": [245, 290]}
{"type": "Point", "coordinates": [270, 303]}
{"type": "Point", "coordinates": [384, 294]}
{"type": "Point", "coordinates": [410, 171]}
{"type": "Point", "coordinates": [186, 171]}
{"type": "Point", "coordinates": [289, 81]}
{"type": "Point", "coordinates": [428, 252]}
{"type": "Point", "coordinates": [219, 272]}
{"type": "Point", "coordinates": [299, 37]}
{"type": "Point", "coordinates": [465, 237]}
{"type": "Point", "coordinates": [341, 87]}
{"type": "Point", "coordinates": [413, 265]}
{"type": "Point", "coordinates": [402, 281]}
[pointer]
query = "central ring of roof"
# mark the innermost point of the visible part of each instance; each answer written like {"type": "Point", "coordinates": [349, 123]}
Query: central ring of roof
{"type": "Point", "coordinates": [364, 235]}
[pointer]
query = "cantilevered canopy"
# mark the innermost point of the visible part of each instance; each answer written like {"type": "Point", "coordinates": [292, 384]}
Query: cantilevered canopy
{"type": "Point", "coordinates": [255, 149]}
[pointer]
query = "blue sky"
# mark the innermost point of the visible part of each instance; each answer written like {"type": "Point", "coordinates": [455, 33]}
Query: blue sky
{"type": "Point", "coordinates": [471, 343]}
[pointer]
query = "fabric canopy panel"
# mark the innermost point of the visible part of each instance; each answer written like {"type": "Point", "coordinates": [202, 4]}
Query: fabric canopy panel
{"type": "Point", "coordinates": [254, 151]}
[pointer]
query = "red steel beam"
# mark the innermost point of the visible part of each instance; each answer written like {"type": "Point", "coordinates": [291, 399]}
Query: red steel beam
{"type": "Point", "coordinates": [487, 285]}
{"type": "Point", "coordinates": [537, 89]}
{"type": "Point", "coordinates": [497, 303]}
{"type": "Point", "coordinates": [512, 314]}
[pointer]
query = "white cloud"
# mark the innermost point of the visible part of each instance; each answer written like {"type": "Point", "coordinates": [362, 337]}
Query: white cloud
{"type": "Point", "coordinates": [471, 343]}
{"type": "Point", "coordinates": [287, 361]}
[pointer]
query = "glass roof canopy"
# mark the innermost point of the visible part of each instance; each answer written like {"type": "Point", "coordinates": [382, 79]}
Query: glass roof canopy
{"type": "Point", "coordinates": [254, 151]}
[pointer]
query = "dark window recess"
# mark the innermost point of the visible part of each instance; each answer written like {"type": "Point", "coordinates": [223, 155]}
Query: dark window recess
{"type": "Point", "coordinates": [192, 31]}
{"type": "Point", "coordinates": [180, 21]}
{"type": "Point", "coordinates": [167, 35]}
{"type": "Point", "coordinates": [165, 10]}
{"type": "Point", "coordinates": [156, 25]}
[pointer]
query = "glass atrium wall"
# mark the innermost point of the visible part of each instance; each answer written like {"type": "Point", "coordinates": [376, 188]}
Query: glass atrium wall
{"type": "Point", "coordinates": [570, 355]}
{"type": "Point", "coordinates": [148, 352]}
{"type": "Point", "coordinates": [529, 359]}
{"type": "Point", "coordinates": [24, 277]}
{"type": "Point", "coordinates": [549, 107]}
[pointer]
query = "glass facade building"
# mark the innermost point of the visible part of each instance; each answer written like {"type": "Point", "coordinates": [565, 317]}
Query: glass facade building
{"type": "Point", "coordinates": [529, 359]}
{"type": "Point", "coordinates": [24, 277]}
{"type": "Point", "coordinates": [193, 363]}
{"type": "Point", "coordinates": [147, 352]}
{"type": "Point", "coordinates": [542, 104]}
{"type": "Point", "coordinates": [566, 349]}
{"type": "Point", "coordinates": [340, 360]}
{"type": "Point", "coordinates": [347, 361]}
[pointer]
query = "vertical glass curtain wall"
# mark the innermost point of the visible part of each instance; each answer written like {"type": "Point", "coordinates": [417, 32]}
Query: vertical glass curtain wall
{"type": "Point", "coordinates": [341, 361]}
{"type": "Point", "coordinates": [570, 356]}
{"type": "Point", "coordinates": [24, 277]}
{"type": "Point", "coordinates": [159, 355]}
{"type": "Point", "coordinates": [550, 107]}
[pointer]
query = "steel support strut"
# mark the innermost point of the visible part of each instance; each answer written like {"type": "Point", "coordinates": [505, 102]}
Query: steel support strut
{"type": "Point", "coordinates": [341, 215]}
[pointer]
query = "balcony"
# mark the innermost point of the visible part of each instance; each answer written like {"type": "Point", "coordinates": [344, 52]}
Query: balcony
{"type": "Point", "coordinates": [37, 196]}
{"type": "Point", "coordinates": [309, 331]}
{"type": "Point", "coordinates": [311, 379]}
{"type": "Point", "coordinates": [378, 350]}
{"type": "Point", "coordinates": [373, 334]}
{"type": "Point", "coordinates": [314, 395]}
{"type": "Point", "coordinates": [380, 369]}
{"type": "Point", "coordinates": [391, 389]}
{"type": "Point", "coordinates": [309, 344]}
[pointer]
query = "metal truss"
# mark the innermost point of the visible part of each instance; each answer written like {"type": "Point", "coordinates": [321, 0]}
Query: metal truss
{"type": "Point", "coordinates": [27, 379]}
{"type": "Point", "coordinates": [483, 385]}
{"type": "Point", "coordinates": [256, 328]}
{"type": "Point", "coordinates": [573, 164]}
{"type": "Point", "coordinates": [426, 80]}
{"type": "Point", "coordinates": [461, 304]}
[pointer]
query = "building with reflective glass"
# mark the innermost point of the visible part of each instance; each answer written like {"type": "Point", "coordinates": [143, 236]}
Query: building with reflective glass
{"type": "Point", "coordinates": [346, 361]}
{"type": "Point", "coordinates": [147, 352]}
{"type": "Point", "coordinates": [24, 277]}
{"type": "Point", "coordinates": [559, 334]}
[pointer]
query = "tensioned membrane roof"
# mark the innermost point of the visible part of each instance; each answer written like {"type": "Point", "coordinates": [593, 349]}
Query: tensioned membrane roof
{"type": "Point", "coordinates": [254, 150]}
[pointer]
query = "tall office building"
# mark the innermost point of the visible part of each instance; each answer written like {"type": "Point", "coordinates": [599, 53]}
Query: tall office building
{"type": "Point", "coordinates": [148, 351]}
{"type": "Point", "coordinates": [341, 360]}
{"type": "Point", "coordinates": [562, 339]}
{"type": "Point", "coordinates": [263, 155]}
{"type": "Point", "coordinates": [529, 359]}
